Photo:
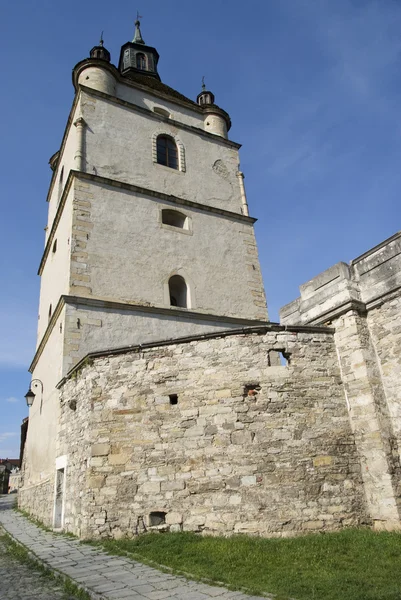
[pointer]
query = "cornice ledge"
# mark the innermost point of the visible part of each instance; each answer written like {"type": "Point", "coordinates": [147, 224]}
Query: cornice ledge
{"type": "Point", "coordinates": [164, 310]}
{"type": "Point", "coordinates": [46, 335]}
{"type": "Point", "coordinates": [383, 298]}
{"type": "Point", "coordinates": [161, 196]}
{"type": "Point", "coordinates": [337, 311]}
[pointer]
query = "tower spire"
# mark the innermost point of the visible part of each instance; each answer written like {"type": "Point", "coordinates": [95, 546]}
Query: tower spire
{"type": "Point", "coordinates": [138, 36]}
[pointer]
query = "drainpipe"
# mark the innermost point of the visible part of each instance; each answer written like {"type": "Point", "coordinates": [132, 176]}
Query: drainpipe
{"type": "Point", "coordinates": [79, 152]}
{"type": "Point", "coordinates": [244, 203]}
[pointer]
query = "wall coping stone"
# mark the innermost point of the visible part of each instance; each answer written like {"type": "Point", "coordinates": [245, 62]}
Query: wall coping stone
{"type": "Point", "coordinates": [258, 330]}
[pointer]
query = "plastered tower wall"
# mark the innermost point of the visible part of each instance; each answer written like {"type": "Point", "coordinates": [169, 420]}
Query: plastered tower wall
{"type": "Point", "coordinates": [363, 302]}
{"type": "Point", "coordinates": [246, 448]}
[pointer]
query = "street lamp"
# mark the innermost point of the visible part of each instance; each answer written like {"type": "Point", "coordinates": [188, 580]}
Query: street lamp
{"type": "Point", "coordinates": [30, 395]}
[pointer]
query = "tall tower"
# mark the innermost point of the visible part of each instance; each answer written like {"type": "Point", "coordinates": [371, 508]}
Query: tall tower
{"type": "Point", "coordinates": [148, 235]}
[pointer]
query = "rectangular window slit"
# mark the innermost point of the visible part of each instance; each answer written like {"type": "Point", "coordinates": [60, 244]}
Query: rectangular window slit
{"type": "Point", "coordinates": [173, 399]}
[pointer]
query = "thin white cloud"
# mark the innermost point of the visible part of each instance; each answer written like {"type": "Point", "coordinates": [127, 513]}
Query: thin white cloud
{"type": "Point", "coordinates": [7, 435]}
{"type": "Point", "coordinates": [12, 400]}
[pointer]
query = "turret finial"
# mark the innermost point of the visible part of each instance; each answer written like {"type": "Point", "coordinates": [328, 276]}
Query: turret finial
{"type": "Point", "coordinates": [203, 83]}
{"type": "Point", "coordinates": [101, 41]}
{"type": "Point", "coordinates": [138, 36]}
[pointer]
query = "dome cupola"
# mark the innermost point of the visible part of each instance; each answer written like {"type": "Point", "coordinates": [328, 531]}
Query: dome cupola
{"type": "Point", "coordinates": [205, 97]}
{"type": "Point", "coordinates": [100, 51]}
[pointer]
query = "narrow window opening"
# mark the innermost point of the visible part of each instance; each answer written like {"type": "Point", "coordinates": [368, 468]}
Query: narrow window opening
{"type": "Point", "coordinates": [161, 111]}
{"type": "Point", "coordinates": [251, 390]}
{"type": "Point", "coordinates": [173, 399]}
{"type": "Point", "coordinates": [178, 291]}
{"type": "Point", "coordinates": [167, 153]}
{"type": "Point", "coordinates": [174, 218]}
{"type": "Point", "coordinates": [277, 358]}
{"type": "Point", "coordinates": [59, 499]}
{"type": "Point", "coordinates": [60, 184]}
{"type": "Point", "coordinates": [54, 247]}
{"type": "Point", "coordinates": [157, 518]}
{"type": "Point", "coordinates": [141, 62]}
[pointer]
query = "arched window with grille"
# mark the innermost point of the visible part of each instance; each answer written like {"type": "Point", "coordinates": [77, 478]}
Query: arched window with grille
{"type": "Point", "coordinates": [167, 152]}
{"type": "Point", "coordinates": [178, 291]}
{"type": "Point", "coordinates": [141, 61]}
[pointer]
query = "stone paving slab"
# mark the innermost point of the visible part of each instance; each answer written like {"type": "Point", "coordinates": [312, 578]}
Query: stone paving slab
{"type": "Point", "coordinates": [104, 576]}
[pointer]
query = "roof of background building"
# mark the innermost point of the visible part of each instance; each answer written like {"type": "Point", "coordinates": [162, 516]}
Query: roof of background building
{"type": "Point", "coordinates": [11, 461]}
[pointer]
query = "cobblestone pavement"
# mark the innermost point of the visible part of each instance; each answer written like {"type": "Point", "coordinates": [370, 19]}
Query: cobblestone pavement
{"type": "Point", "coordinates": [18, 581]}
{"type": "Point", "coordinates": [102, 575]}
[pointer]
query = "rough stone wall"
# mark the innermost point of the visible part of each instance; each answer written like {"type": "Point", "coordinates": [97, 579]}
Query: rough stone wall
{"type": "Point", "coordinates": [38, 501]}
{"type": "Point", "coordinates": [362, 302]}
{"type": "Point", "coordinates": [247, 448]}
{"type": "Point", "coordinates": [384, 325]}
{"type": "Point", "coordinates": [370, 419]}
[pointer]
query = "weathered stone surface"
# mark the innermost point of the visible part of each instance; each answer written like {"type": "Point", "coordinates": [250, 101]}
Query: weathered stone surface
{"type": "Point", "coordinates": [278, 461]}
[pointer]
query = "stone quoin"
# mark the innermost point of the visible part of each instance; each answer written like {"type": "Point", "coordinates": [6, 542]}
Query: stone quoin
{"type": "Point", "coordinates": [168, 399]}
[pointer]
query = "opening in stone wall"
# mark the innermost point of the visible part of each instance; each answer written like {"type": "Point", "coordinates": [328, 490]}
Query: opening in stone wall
{"type": "Point", "coordinates": [157, 518]}
{"type": "Point", "coordinates": [278, 358]}
{"type": "Point", "coordinates": [173, 399]}
{"type": "Point", "coordinates": [251, 390]}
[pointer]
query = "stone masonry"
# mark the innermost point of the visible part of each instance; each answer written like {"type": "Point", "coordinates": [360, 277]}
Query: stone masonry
{"type": "Point", "coordinates": [362, 301]}
{"type": "Point", "coordinates": [211, 435]}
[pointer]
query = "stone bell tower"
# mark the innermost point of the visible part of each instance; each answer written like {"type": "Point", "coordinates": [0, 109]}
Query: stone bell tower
{"type": "Point", "coordinates": [148, 235]}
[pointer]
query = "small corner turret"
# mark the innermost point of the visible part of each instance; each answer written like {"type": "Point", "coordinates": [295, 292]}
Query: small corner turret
{"type": "Point", "coordinates": [216, 119]}
{"type": "Point", "coordinates": [96, 71]}
{"type": "Point", "coordinates": [138, 58]}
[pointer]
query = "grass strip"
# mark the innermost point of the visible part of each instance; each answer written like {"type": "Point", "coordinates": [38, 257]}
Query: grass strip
{"type": "Point", "coordinates": [21, 554]}
{"type": "Point", "coordinates": [348, 565]}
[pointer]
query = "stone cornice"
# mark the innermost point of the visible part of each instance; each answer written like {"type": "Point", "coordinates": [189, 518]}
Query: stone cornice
{"type": "Point", "coordinates": [163, 310]}
{"type": "Point", "coordinates": [138, 190]}
{"type": "Point", "coordinates": [250, 330]}
{"type": "Point", "coordinates": [156, 116]}
{"type": "Point", "coordinates": [376, 248]}
{"type": "Point", "coordinates": [337, 311]}
{"type": "Point", "coordinates": [358, 306]}
{"type": "Point", "coordinates": [162, 196]}
{"type": "Point", "coordinates": [47, 333]}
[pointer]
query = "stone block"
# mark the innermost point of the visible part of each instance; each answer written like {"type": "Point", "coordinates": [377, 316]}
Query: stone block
{"type": "Point", "coordinates": [173, 517]}
{"type": "Point", "coordinates": [169, 486]}
{"type": "Point", "coordinates": [150, 487]}
{"type": "Point", "coordinates": [322, 461]}
{"type": "Point", "coordinates": [96, 481]}
{"type": "Point", "coordinates": [248, 480]}
{"type": "Point", "coordinates": [100, 449]}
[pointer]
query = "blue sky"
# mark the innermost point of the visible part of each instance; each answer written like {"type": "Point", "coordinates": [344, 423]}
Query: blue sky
{"type": "Point", "coordinates": [313, 88]}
